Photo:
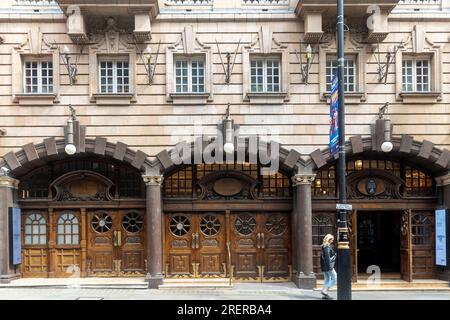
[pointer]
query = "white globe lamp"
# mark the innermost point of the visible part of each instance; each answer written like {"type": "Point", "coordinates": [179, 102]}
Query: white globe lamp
{"type": "Point", "coordinates": [387, 146]}
{"type": "Point", "coordinates": [70, 149]}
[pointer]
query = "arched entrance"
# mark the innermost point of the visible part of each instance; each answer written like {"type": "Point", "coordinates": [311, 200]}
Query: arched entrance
{"type": "Point", "coordinates": [82, 215]}
{"type": "Point", "coordinates": [394, 197]}
{"type": "Point", "coordinates": [227, 220]}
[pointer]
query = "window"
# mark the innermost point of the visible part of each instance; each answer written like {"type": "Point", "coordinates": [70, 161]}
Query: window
{"type": "Point", "coordinates": [38, 77]}
{"type": "Point", "coordinates": [322, 225]}
{"type": "Point", "coordinates": [418, 183]}
{"type": "Point", "coordinates": [68, 229]}
{"type": "Point", "coordinates": [421, 230]}
{"type": "Point", "coordinates": [276, 185]}
{"type": "Point", "coordinates": [416, 75]}
{"type": "Point", "coordinates": [190, 75]}
{"type": "Point", "coordinates": [265, 75]}
{"type": "Point", "coordinates": [325, 183]}
{"type": "Point", "coordinates": [114, 76]}
{"type": "Point", "coordinates": [35, 230]}
{"type": "Point", "coordinates": [349, 72]}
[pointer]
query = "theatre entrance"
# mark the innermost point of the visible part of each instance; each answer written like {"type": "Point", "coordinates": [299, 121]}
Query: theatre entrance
{"type": "Point", "coordinates": [378, 241]}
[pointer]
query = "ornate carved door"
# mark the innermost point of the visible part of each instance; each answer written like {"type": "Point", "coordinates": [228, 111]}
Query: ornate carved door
{"type": "Point", "coordinates": [406, 246]}
{"type": "Point", "coordinates": [195, 245]}
{"type": "Point", "coordinates": [116, 243]}
{"type": "Point", "coordinates": [261, 246]}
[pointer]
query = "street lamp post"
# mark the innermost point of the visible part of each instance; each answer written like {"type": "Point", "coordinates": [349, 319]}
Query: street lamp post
{"type": "Point", "coordinates": [344, 289]}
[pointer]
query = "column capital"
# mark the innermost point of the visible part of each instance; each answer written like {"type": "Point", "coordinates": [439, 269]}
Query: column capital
{"type": "Point", "coordinates": [153, 180]}
{"type": "Point", "coordinates": [6, 181]}
{"type": "Point", "coordinates": [443, 181]}
{"type": "Point", "coordinates": [303, 179]}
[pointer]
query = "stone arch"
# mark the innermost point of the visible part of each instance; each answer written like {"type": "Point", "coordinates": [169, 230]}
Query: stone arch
{"type": "Point", "coordinates": [290, 161]}
{"type": "Point", "coordinates": [32, 156]}
{"type": "Point", "coordinates": [422, 154]}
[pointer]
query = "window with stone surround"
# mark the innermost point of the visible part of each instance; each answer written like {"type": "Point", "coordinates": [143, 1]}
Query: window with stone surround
{"type": "Point", "coordinates": [419, 72]}
{"type": "Point", "coordinates": [189, 75]}
{"type": "Point", "coordinates": [265, 74]}
{"type": "Point", "coordinates": [354, 69]}
{"type": "Point", "coordinates": [416, 75]}
{"type": "Point", "coordinates": [265, 67]}
{"type": "Point", "coordinates": [38, 76]}
{"type": "Point", "coordinates": [114, 75]}
{"type": "Point", "coordinates": [350, 72]}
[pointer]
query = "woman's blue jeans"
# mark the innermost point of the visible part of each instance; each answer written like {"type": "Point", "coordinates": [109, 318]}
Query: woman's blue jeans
{"type": "Point", "coordinates": [330, 278]}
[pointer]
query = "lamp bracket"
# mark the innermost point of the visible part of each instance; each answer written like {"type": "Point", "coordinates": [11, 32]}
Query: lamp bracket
{"type": "Point", "coordinates": [150, 66]}
{"type": "Point", "coordinates": [383, 66]}
{"type": "Point", "coordinates": [228, 70]}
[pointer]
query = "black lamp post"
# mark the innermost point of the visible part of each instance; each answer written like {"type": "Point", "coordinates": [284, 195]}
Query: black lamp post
{"type": "Point", "coordinates": [344, 278]}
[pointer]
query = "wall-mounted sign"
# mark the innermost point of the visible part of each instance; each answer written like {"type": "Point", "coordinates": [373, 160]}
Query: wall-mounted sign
{"type": "Point", "coordinates": [15, 240]}
{"type": "Point", "coordinates": [441, 237]}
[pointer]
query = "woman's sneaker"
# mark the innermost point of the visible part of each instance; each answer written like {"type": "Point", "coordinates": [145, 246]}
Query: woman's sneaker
{"type": "Point", "coordinates": [326, 296]}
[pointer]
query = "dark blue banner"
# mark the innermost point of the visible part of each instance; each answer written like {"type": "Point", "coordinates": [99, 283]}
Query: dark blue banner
{"type": "Point", "coordinates": [334, 111]}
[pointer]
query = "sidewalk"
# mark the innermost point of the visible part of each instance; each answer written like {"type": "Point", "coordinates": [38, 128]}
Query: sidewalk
{"type": "Point", "coordinates": [139, 283]}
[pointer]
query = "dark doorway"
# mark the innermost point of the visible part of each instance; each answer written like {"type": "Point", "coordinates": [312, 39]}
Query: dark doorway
{"type": "Point", "coordinates": [379, 241]}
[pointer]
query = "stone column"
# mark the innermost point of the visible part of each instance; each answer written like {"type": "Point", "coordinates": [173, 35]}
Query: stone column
{"type": "Point", "coordinates": [8, 190]}
{"type": "Point", "coordinates": [154, 230]}
{"type": "Point", "coordinates": [305, 278]}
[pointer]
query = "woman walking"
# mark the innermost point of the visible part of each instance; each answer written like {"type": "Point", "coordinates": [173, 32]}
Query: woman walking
{"type": "Point", "coordinates": [327, 261]}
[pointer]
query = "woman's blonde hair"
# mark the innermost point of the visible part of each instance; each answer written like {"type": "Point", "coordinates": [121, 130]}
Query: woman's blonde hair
{"type": "Point", "coordinates": [326, 239]}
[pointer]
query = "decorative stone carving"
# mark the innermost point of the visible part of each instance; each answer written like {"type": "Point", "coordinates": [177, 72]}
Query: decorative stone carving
{"type": "Point", "coordinates": [300, 179]}
{"type": "Point", "coordinates": [153, 180]}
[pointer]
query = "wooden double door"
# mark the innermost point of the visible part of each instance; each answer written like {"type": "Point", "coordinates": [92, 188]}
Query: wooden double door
{"type": "Point", "coordinates": [261, 246]}
{"type": "Point", "coordinates": [195, 245]}
{"type": "Point", "coordinates": [246, 246]}
{"type": "Point", "coordinates": [116, 243]}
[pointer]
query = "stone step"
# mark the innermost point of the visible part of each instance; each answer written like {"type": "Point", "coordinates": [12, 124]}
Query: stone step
{"type": "Point", "coordinates": [196, 284]}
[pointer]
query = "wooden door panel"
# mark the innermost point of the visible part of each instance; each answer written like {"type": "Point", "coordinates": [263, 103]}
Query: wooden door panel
{"type": "Point", "coordinates": [275, 245]}
{"type": "Point", "coordinates": [102, 261]}
{"type": "Point", "coordinates": [210, 264]}
{"type": "Point", "coordinates": [131, 251]}
{"type": "Point", "coordinates": [133, 261]}
{"type": "Point", "coordinates": [68, 262]}
{"type": "Point", "coordinates": [35, 262]}
{"type": "Point", "coordinates": [244, 242]}
{"type": "Point", "coordinates": [180, 264]}
{"type": "Point", "coordinates": [100, 243]}
{"type": "Point", "coordinates": [210, 244]}
{"type": "Point", "coordinates": [406, 247]}
{"type": "Point", "coordinates": [179, 242]}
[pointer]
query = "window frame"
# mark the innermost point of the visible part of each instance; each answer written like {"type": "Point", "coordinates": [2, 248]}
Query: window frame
{"type": "Point", "coordinates": [39, 234]}
{"type": "Point", "coordinates": [189, 60]}
{"type": "Point", "coordinates": [39, 62]}
{"type": "Point", "coordinates": [71, 225]}
{"type": "Point", "coordinates": [347, 57]}
{"type": "Point", "coordinates": [265, 84]}
{"type": "Point", "coordinates": [414, 60]}
{"type": "Point", "coordinates": [115, 85]}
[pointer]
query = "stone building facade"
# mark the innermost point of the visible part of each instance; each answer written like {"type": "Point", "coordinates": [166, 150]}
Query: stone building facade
{"type": "Point", "coordinates": [146, 93]}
